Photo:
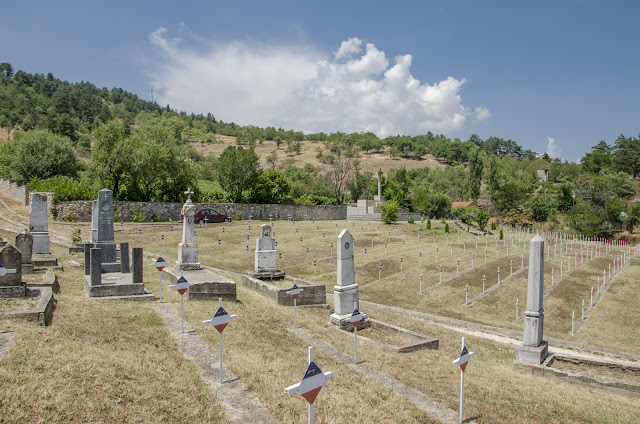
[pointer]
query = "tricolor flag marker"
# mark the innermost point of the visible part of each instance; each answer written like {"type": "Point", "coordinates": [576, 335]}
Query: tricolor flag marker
{"type": "Point", "coordinates": [311, 383]}
{"type": "Point", "coordinates": [4, 271]}
{"type": "Point", "coordinates": [295, 292]}
{"type": "Point", "coordinates": [355, 319]}
{"type": "Point", "coordinates": [160, 264]}
{"type": "Point", "coordinates": [182, 285]}
{"type": "Point", "coordinates": [219, 322]}
{"type": "Point", "coordinates": [462, 361]}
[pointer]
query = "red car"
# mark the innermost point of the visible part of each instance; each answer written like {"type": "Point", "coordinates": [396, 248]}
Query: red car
{"type": "Point", "coordinates": [211, 215]}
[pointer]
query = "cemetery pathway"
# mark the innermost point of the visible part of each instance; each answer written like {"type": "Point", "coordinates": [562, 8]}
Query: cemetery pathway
{"type": "Point", "coordinates": [240, 405]}
{"type": "Point", "coordinates": [420, 400]}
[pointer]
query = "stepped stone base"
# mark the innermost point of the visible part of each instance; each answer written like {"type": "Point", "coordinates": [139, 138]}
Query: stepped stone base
{"type": "Point", "coordinates": [44, 260]}
{"type": "Point", "coordinates": [343, 322]}
{"type": "Point", "coordinates": [13, 292]}
{"type": "Point", "coordinates": [207, 285]}
{"type": "Point", "coordinates": [113, 284]}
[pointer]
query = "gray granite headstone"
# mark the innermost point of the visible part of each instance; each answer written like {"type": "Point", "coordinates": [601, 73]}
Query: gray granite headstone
{"type": "Point", "coordinates": [533, 349]}
{"type": "Point", "coordinates": [96, 266]}
{"type": "Point", "coordinates": [265, 257]}
{"type": "Point", "coordinates": [87, 258]}
{"type": "Point", "coordinates": [11, 284]}
{"type": "Point", "coordinates": [38, 223]}
{"type": "Point", "coordinates": [24, 243]}
{"type": "Point", "coordinates": [105, 226]}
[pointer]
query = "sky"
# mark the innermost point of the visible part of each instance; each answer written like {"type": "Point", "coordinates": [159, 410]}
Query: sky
{"type": "Point", "coordinates": [555, 76]}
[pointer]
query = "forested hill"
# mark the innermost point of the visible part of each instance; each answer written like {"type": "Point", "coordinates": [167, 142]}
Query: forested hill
{"type": "Point", "coordinates": [39, 101]}
{"type": "Point", "coordinates": [75, 138]}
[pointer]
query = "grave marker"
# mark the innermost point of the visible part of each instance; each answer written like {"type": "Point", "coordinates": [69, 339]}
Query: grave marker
{"type": "Point", "coordinates": [311, 383]}
{"type": "Point", "coordinates": [220, 321]}
{"type": "Point", "coordinates": [181, 286]}
{"type": "Point", "coordinates": [462, 361]}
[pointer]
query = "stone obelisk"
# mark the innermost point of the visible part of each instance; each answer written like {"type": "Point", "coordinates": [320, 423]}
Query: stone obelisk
{"type": "Point", "coordinates": [188, 249]}
{"type": "Point", "coordinates": [533, 349]}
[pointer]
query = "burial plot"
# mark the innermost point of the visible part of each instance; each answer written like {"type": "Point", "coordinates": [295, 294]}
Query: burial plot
{"type": "Point", "coordinates": [104, 276]}
{"type": "Point", "coordinates": [206, 284]}
{"type": "Point", "coordinates": [41, 257]}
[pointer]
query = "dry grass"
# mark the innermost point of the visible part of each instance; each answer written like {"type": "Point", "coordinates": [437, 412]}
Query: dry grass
{"type": "Point", "coordinates": [371, 161]}
{"type": "Point", "coordinates": [100, 362]}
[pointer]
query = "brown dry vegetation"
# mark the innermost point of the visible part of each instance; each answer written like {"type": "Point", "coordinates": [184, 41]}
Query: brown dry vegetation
{"type": "Point", "coordinates": [371, 161]}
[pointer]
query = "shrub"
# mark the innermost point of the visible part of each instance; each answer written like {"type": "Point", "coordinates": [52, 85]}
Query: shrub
{"type": "Point", "coordinates": [155, 217]}
{"type": "Point", "coordinates": [238, 216]}
{"type": "Point", "coordinates": [389, 211]}
{"type": "Point", "coordinates": [411, 220]}
{"type": "Point", "coordinates": [444, 221]}
{"type": "Point", "coordinates": [75, 236]}
{"type": "Point", "coordinates": [446, 227]}
{"type": "Point", "coordinates": [116, 217]}
{"type": "Point", "coordinates": [493, 226]}
{"type": "Point", "coordinates": [501, 234]}
{"type": "Point", "coordinates": [70, 217]}
{"type": "Point", "coordinates": [429, 224]}
{"type": "Point", "coordinates": [64, 189]}
{"type": "Point", "coordinates": [137, 215]}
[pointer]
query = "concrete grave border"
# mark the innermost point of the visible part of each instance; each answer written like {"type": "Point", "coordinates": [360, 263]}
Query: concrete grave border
{"type": "Point", "coordinates": [421, 341]}
{"type": "Point", "coordinates": [41, 314]}
{"type": "Point", "coordinates": [313, 294]}
{"type": "Point", "coordinates": [611, 384]}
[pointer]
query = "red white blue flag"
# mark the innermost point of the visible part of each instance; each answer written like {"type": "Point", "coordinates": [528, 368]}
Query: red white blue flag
{"type": "Point", "coordinates": [311, 383]}
{"type": "Point", "coordinates": [465, 355]}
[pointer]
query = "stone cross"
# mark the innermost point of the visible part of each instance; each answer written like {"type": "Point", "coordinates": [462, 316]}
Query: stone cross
{"type": "Point", "coordinates": [533, 350]}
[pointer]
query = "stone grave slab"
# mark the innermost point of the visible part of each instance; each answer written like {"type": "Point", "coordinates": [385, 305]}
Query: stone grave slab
{"type": "Point", "coordinates": [207, 285]}
{"type": "Point", "coordinates": [313, 293]}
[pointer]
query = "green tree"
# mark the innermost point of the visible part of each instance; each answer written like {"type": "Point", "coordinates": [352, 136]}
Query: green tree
{"type": "Point", "coordinates": [633, 217]}
{"type": "Point", "coordinates": [273, 187]}
{"type": "Point", "coordinates": [600, 158]}
{"type": "Point", "coordinates": [389, 211]}
{"type": "Point", "coordinates": [481, 218]}
{"type": "Point", "coordinates": [40, 154]}
{"type": "Point", "coordinates": [237, 170]}
{"type": "Point", "coordinates": [476, 165]}
{"type": "Point", "coordinates": [111, 156]}
{"type": "Point", "coordinates": [431, 204]}
{"type": "Point", "coordinates": [627, 155]}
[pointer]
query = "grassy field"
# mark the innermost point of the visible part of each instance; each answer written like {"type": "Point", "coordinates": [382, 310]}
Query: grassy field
{"type": "Point", "coordinates": [121, 360]}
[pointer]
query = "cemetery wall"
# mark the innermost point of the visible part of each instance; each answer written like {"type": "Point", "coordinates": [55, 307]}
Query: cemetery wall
{"type": "Point", "coordinates": [15, 191]}
{"type": "Point", "coordinates": [81, 210]}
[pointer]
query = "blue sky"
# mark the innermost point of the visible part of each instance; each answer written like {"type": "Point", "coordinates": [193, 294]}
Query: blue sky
{"type": "Point", "coordinates": [552, 75]}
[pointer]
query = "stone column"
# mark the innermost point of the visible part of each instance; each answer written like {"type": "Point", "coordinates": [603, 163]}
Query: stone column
{"type": "Point", "coordinates": [87, 258]}
{"type": "Point", "coordinates": [136, 253]}
{"type": "Point", "coordinates": [124, 258]}
{"type": "Point", "coordinates": [96, 266]}
{"type": "Point", "coordinates": [379, 197]}
{"type": "Point", "coordinates": [38, 223]}
{"type": "Point", "coordinates": [533, 349]}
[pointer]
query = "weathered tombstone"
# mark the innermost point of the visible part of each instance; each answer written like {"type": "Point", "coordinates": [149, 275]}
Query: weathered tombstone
{"type": "Point", "coordinates": [265, 256]}
{"type": "Point", "coordinates": [188, 249]}
{"type": "Point", "coordinates": [105, 239]}
{"type": "Point", "coordinates": [11, 285]}
{"type": "Point", "coordinates": [38, 223]}
{"type": "Point", "coordinates": [533, 349]}
{"type": "Point", "coordinates": [345, 292]}
{"type": "Point", "coordinates": [24, 243]}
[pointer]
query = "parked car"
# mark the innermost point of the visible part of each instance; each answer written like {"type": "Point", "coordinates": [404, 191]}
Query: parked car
{"type": "Point", "coordinates": [211, 214]}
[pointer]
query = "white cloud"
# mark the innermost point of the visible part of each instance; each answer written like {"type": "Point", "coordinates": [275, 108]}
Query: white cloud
{"type": "Point", "coordinates": [553, 149]}
{"type": "Point", "coordinates": [303, 89]}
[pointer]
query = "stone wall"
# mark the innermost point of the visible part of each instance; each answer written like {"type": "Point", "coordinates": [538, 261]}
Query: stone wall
{"type": "Point", "coordinates": [15, 191]}
{"type": "Point", "coordinates": [171, 211]}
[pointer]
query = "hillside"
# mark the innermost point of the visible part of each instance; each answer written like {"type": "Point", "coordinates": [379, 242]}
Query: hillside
{"type": "Point", "coordinates": [369, 161]}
